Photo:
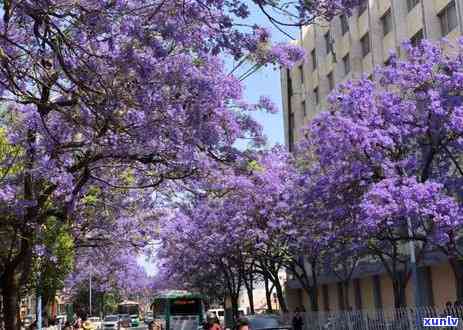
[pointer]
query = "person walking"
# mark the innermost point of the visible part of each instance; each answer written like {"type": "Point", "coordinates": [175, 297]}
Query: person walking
{"type": "Point", "coordinates": [77, 323]}
{"type": "Point", "coordinates": [212, 323]}
{"type": "Point", "coordinates": [298, 320]}
{"type": "Point", "coordinates": [242, 324]}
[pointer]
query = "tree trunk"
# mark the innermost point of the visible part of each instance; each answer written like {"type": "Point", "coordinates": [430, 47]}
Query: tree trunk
{"type": "Point", "coordinates": [268, 294]}
{"type": "Point", "coordinates": [250, 292]}
{"type": "Point", "coordinates": [313, 296]}
{"type": "Point", "coordinates": [314, 289]}
{"type": "Point", "coordinates": [234, 300]}
{"type": "Point", "coordinates": [280, 296]}
{"type": "Point", "coordinates": [10, 301]}
{"type": "Point", "coordinates": [457, 267]}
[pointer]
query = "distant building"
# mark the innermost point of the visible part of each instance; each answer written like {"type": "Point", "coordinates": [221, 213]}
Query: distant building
{"type": "Point", "coordinates": [347, 48]}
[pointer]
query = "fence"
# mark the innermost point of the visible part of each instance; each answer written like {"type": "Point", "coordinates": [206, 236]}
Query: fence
{"type": "Point", "coordinates": [407, 318]}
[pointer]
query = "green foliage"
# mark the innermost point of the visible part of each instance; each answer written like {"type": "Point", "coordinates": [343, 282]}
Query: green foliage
{"type": "Point", "coordinates": [254, 166]}
{"type": "Point", "coordinates": [52, 269]}
{"type": "Point", "coordinates": [8, 156]}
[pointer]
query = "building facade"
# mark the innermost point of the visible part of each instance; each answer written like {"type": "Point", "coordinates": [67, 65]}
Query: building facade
{"type": "Point", "coordinates": [350, 48]}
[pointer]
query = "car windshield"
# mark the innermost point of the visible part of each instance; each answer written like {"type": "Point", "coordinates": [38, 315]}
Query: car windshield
{"type": "Point", "coordinates": [264, 322]}
{"type": "Point", "coordinates": [111, 318]}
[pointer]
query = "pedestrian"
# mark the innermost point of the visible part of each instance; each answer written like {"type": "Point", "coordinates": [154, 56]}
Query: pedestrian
{"type": "Point", "coordinates": [212, 324]}
{"type": "Point", "coordinates": [298, 320]}
{"type": "Point", "coordinates": [215, 324]}
{"type": "Point", "coordinates": [77, 323]}
{"type": "Point", "coordinates": [242, 324]}
{"type": "Point", "coordinates": [448, 309]}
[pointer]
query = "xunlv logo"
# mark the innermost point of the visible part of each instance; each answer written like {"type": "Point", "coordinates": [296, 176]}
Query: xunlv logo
{"type": "Point", "coordinates": [440, 321]}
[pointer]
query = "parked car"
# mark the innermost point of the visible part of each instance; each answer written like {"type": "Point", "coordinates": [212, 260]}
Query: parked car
{"type": "Point", "coordinates": [111, 322]}
{"type": "Point", "coordinates": [96, 322]}
{"type": "Point", "coordinates": [267, 322]}
{"type": "Point", "coordinates": [125, 321]}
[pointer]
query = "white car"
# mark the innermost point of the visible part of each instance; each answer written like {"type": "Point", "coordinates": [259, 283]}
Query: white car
{"type": "Point", "coordinates": [111, 322]}
{"type": "Point", "coordinates": [96, 322]}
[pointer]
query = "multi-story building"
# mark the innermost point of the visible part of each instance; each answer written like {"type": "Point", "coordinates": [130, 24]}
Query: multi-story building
{"type": "Point", "coordinates": [350, 47]}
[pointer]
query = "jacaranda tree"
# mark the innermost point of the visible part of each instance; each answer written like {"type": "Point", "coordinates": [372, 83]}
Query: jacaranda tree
{"type": "Point", "coordinates": [118, 94]}
{"type": "Point", "coordinates": [398, 174]}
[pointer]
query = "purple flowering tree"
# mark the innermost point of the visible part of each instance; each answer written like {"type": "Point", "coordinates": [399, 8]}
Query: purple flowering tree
{"type": "Point", "coordinates": [398, 175]}
{"type": "Point", "coordinates": [237, 226]}
{"type": "Point", "coordinates": [111, 95]}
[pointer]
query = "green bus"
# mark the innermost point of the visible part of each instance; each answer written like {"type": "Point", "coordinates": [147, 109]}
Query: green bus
{"type": "Point", "coordinates": [178, 309]}
{"type": "Point", "coordinates": [131, 308]}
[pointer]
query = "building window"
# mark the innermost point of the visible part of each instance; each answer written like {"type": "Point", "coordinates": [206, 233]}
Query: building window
{"type": "Point", "coordinates": [346, 63]}
{"type": "Point", "coordinates": [326, 36]}
{"type": "Point", "coordinates": [386, 22]}
{"type": "Point", "coordinates": [344, 24]}
{"type": "Point", "coordinates": [326, 297]}
{"type": "Point", "coordinates": [330, 80]}
{"type": "Point", "coordinates": [377, 292]}
{"type": "Point", "coordinates": [303, 108]}
{"type": "Point", "coordinates": [357, 294]}
{"type": "Point", "coordinates": [365, 41]}
{"type": "Point", "coordinates": [316, 95]}
{"type": "Point", "coordinates": [417, 37]}
{"type": "Point", "coordinates": [314, 59]}
{"type": "Point", "coordinates": [290, 83]}
{"type": "Point", "coordinates": [363, 5]}
{"type": "Point", "coordinates": [411, 4]}
{"type": "Point", "coordinates": [301, 73]}
{"type": "Point", "coordinates": [291, 131]}
{"type": "Point", "coordinates": [341, 299]}
{"type": "Point", "coordinates": [448, 18]}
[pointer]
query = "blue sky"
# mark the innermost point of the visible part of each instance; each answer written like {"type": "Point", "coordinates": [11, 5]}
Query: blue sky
{"type": "Point", "coordinates": [265, 82]}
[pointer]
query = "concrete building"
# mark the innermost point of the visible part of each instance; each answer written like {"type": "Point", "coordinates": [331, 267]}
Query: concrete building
{"type": "Point", "coordinates": [348, 48]}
